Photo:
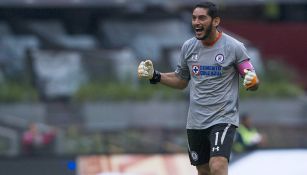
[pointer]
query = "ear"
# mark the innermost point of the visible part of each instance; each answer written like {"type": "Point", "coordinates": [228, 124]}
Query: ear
{"type": "Point", "coordinates": [216, 21]}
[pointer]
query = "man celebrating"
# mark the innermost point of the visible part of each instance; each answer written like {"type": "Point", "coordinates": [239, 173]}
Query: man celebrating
{"type": "Point", "coordinates": [211, 62]}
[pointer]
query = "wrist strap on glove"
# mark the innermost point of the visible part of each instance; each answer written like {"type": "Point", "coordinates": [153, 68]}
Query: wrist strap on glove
{"type": "Point", "coordinates": [156, 77]}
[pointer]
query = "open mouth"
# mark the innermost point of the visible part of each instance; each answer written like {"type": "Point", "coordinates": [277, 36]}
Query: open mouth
{"type": "Point", "coordinates": [199, 30]}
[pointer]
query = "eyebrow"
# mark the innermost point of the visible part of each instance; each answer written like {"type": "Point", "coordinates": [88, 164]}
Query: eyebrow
{"type": "Point", "coordinates": [199, 15]}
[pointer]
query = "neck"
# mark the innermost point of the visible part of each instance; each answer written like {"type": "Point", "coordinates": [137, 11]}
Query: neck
{"type": "Point", "coordinates": [211, 40]}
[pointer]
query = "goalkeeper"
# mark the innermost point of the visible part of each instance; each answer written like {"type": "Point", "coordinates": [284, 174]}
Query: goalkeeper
{"type": "Point", "coordinates": [211, 63]}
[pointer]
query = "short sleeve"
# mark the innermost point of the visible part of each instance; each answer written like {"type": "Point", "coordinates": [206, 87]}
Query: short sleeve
{"type": "Point", "coordinates": [182, 69]}
{"type": "Point", "coordinates": [241, 53]}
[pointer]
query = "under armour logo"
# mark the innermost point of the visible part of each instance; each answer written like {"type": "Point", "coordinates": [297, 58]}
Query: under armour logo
{"type": "Point", "coordinates": [215, 149]}
{"type": "Point", "coordinates": [194, 57]}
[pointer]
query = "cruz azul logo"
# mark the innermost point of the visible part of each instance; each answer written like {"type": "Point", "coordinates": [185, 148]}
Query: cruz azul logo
{"type": "Point", "coordinates": [200, 70]}
{"type": "Point", "coordinates": [219, 58]}
{"type": "Point", "coordinates": [195, 70]}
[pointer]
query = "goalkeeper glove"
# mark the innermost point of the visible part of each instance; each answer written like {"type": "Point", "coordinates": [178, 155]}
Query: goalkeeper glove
{"type": "Point", "coordinates": [147, 71]}
{"type": "Point", "coordinates": [250, 79]}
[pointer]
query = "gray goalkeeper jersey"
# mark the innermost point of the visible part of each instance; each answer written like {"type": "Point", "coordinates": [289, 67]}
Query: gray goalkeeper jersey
{"type": "Point", "coordinates": [214, 80]}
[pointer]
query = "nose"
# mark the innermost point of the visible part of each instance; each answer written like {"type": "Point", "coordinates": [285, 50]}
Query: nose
{"type": "Point", "coordinates": [195, 21]}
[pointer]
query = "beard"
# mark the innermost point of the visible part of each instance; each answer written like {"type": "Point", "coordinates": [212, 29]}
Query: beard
{"type": "Point", "coordinates": [207, 33]}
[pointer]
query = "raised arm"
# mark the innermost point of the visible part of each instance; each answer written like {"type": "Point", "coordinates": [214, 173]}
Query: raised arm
{"type": "Point", "coordinates": [147, 71]}
{"type": "Point", "coordinates": [247, 71]}
{"type": "Point", "coordinates": [172, 80]}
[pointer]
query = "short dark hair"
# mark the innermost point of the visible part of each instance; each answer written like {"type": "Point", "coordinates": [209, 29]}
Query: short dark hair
{"type": "Point", "coordinates": [213, 11]}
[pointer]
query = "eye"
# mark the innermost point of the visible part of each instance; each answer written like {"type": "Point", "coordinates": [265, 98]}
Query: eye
{"type": "Point", "coordinates": [202, 18]}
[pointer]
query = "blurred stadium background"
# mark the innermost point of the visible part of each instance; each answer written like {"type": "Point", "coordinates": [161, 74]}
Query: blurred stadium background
{"type": "Point", "coordinates": [69, 68]}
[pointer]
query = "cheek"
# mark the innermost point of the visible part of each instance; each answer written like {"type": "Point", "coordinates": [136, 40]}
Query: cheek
{"type": "Point", "coordinates": [206, 24]}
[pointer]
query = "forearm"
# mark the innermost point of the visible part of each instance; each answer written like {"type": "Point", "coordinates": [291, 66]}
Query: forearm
{"type": "Point", "coordinates": [146, 70]}
{"type": "Point", "coordinates": [172, 80]}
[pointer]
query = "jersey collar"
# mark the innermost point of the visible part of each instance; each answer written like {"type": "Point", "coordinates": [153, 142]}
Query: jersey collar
{"type": "Point", "coordinates": [214, 41]}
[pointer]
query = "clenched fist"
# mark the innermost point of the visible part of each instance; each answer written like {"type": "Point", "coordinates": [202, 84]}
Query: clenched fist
{"type": "Point", "coordinates": [250, 79]}
{"type": "Point", "coordinates": [146, 70]}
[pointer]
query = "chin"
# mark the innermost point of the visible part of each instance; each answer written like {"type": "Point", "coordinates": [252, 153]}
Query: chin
{"type": "Point", "coordinates": [199, 37]}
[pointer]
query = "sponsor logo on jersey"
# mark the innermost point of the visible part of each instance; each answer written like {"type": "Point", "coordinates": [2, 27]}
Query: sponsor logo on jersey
{"type": "Point", "coordinates": [200, 70]}
{"type": "Point", "coordinates": [219, 58]}
{"type": "Point", "coordinates": [195, 70]}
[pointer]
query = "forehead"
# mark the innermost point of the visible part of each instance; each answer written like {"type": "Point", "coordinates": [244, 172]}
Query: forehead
{"type": "Point", "coordinates": [200, 11]}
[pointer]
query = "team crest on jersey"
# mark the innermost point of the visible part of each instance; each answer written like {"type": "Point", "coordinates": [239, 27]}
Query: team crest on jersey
{"type": "Point", "coordinates": [219, 58]}
{"type": "Point", "coordinates": [195, 70]}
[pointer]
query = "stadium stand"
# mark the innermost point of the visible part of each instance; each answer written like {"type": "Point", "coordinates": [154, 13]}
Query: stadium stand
{"type": "Point", "coordinates": [41, 44]}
